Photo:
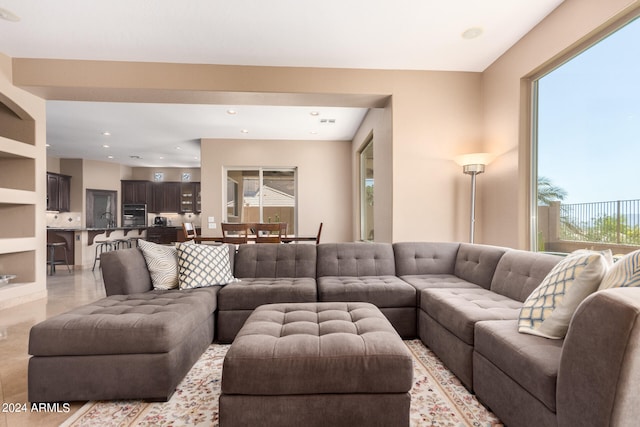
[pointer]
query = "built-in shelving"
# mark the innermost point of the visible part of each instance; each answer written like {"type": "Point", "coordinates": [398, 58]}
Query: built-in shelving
{"type": "Point", "coordinates": [18, 205]}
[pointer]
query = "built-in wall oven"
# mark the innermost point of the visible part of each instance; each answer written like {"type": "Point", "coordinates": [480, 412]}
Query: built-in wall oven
{"type": "Point", "coordinates": [134, 215]}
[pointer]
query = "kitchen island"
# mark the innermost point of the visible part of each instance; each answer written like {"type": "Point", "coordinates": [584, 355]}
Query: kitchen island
{"type": "Point", "coordinates": [81, 241]}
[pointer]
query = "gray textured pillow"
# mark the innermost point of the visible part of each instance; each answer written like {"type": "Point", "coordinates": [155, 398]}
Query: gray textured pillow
{"type": "Point", "coordinates": [203, 265]}
{"type": "Point", "coordinates": [162, 262]}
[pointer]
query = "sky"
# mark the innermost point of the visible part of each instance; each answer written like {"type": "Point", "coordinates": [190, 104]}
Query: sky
{"type": "Point", "coordinates": [589, 121]}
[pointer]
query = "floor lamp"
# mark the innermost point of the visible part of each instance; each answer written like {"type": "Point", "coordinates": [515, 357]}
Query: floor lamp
{"type": "Point", "coordinates": [473, 164]}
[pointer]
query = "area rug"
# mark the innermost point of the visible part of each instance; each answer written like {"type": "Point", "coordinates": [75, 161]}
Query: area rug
{"type": "Point", "coordinates": [437, 399]}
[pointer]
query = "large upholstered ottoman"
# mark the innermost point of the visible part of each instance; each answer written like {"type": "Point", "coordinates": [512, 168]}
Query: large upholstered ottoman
{"type": "Point", "coordinates": [136, 346]}
{"type": "Point", "coordinates": [316, 364]}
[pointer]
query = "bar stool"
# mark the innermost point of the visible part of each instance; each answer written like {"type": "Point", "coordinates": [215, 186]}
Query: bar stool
{"type": "Point", "coordinates": [121, 243]}
{"type": "Point", "coordinates": [51, 262]}
{"type": "Point", "coordinates": [102, 246]}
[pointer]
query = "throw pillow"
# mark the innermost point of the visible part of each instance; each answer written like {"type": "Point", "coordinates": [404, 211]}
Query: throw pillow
{"type": "Point", "coordinates": [624, 273]}
{"type": "Point", "coordinates": [548, 310]}
{"type": "Point", "coordinates": [162, 262]}
{"type": "Point", "coordinates": [203, 265]}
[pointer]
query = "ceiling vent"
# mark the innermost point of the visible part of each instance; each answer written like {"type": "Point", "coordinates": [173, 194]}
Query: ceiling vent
{"type": "Point", "coordinates": [328, 121]}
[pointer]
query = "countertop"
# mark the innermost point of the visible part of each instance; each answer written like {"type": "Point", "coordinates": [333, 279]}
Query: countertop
{"type": "Point", "coordinates": [92, 232]}
{"type": "Point", "coordinates": [143, 227]}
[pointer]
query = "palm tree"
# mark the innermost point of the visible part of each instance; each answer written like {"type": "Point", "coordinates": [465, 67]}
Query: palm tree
{"type": "Point", "coordinates": [549, 192]}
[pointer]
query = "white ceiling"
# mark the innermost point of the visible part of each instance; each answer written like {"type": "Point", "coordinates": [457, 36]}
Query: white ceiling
{"type": "Point", "coordinates": [379, 34]}
{"type": "Point", "coordinates": [169, 134]}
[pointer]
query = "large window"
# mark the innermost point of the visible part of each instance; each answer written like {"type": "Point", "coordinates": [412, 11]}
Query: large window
{"type": "Point", "coordinates": [262, 195]}
{"type": "Point", "coordinates": [587, 147]}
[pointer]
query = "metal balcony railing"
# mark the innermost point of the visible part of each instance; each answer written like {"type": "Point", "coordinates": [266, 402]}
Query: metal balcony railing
{"type": "Point", "coordinates": [616, 222]}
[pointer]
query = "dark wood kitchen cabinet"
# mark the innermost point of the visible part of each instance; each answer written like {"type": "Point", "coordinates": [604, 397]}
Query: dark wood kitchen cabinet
{"type": "Point", "coordinates": [165, 197]}
{"type": "Point", "coordinates": [136, 192]}
{"type": "Point", "coordinates": [58, 192]}
{"type": "Point", "coordinates": [162, 235]}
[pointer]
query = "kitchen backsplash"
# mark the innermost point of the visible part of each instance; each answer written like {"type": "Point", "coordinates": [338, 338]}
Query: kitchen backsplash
{"type": "Point", "coordinates": [73, 219]}
{"type": "Point", "coordinates": [64, 219]}
{"type": "Point", "coordinates": [175, 219]}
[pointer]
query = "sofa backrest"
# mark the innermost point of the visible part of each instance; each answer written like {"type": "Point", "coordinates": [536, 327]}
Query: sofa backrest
{"type": "Point", "coordinates": [599, 368]}
{"type": "Point", "coordinates": [519, 272]}
{"type": "Point", "coordinates": [275, 260]}
{"type": "Point", "coordinates": [477, 263]}
{"type": "Point", "coordinates": [356, 259]}
{"type": "Point", "coordinates": [125, 272]}
{"type": "Point", "coordinates": [415, 258]}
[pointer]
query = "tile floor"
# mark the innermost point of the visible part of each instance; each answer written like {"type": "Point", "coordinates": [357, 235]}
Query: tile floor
{"type": "Point", "coordinates": [65, 291]}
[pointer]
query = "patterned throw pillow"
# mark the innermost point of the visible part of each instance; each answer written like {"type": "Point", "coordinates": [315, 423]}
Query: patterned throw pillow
{"type": "Point", "coordinates": [625, 273]}
{"type": "Point", "coordinates": [548, 310]}
{"type": "Point", "coordinates": [162, 262]}
{"type": "Point", "coordinates": [203, 265]}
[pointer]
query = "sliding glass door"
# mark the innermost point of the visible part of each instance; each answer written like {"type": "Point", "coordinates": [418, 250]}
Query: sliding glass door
{"type": "Point", "coordinates": [261, 195]}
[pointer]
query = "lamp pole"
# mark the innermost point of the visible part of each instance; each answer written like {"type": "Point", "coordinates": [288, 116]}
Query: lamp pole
{"type": "Point", "coordinates": [473, 170]}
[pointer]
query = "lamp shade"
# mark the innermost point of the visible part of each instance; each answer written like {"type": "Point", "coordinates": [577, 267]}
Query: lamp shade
{"type": "Point", "coordinates": [474, 159]}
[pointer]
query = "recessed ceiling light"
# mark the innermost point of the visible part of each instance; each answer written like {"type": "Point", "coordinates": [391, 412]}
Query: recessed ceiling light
{"type": "Point", "coordinates": [245, 131]}
{"type": "Point", "coordinates": [7, 15]}
{"type": "Point", "coordinates": [472, 33]}
{"type": "Point", "coordinates": [161, 157]}
{"type": "Point", "coordinates": [195, 158]}
{"type": "Point", "coordinates": [232, 112]}
{"type": "Point", "coordinates": [109, 157]}
{"type": "Point", "coordinates": [315, 113]}
{"type": "Point", "coordinates": [105, 146]}
{"type": "Point", "coordinates": [178, 148]}
{"type": "Point", "coordinates": [106, 133]}
{"type": "Point", "coordinates": [47, 145]}
{"type": "Point", "coordinates": [313, 132]}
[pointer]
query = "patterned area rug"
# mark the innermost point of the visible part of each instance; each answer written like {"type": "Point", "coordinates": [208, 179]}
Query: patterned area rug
{"type": "Point", "coordinates": [437, 398]}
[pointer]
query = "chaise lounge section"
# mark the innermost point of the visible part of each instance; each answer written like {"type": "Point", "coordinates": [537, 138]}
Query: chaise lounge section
{"type": "Point", "coordinates": [132, 346]}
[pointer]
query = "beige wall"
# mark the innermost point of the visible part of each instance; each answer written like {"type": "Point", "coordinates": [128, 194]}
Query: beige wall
{"type": "Point", "coordinates": [436, 116]}
{"type": "Point", "coordinates": [324, 178]}
{"type": "Point", "coordinates": [504, 216]}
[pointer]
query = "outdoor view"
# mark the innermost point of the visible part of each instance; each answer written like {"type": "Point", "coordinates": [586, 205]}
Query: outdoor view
{"type": "Point", "coordinates": [588, 146]}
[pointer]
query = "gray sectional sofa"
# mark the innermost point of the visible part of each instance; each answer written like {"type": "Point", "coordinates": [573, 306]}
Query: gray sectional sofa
{"type": "Point", "coordinates": [462, 300]}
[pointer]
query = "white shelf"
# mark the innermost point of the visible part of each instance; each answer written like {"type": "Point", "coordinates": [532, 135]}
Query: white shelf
{"type": "Point", "coordinates": [12, 148]}
{"type": "Point", "coordinates": [17, 197]}
{"type": "Point", "coordinates": [22, 244]}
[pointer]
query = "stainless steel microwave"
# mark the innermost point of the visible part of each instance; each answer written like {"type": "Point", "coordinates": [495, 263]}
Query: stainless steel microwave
{"type": "Point", "coordinates": [134, 215]}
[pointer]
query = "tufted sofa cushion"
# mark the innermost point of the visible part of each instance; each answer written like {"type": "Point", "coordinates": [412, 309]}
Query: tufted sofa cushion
{"type": "Point", "coordinates": [383, 291]}
{"type": "Point", "coordinates": [314, 348]}
{"type": "Point", "coordinates": [269, 260]}
{"type": "Point", "coordinates": [520, 272]}
{"type": "Point", "coordinates": [249, 293]}
{"type": "Point", "coordinates": [356, 259]}
{"type": "Point", "coordinates": [151, 322]}
{"type": "Point", "coordinates": [458, 310]}
{"type": "Point", "coordinates": [425, 258]}
{"type": "Point", "coordinates": [477, 263]}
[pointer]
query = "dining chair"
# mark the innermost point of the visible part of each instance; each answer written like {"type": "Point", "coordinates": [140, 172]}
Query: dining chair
{"type": "Point", "coordinates": [234, 232]}
{"type": "Point", "coordinates": [269, 232]}
{"type": "Point", "coordinates": [189, 231]}
{"type": "Point", "coordinates": [319, 233]}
